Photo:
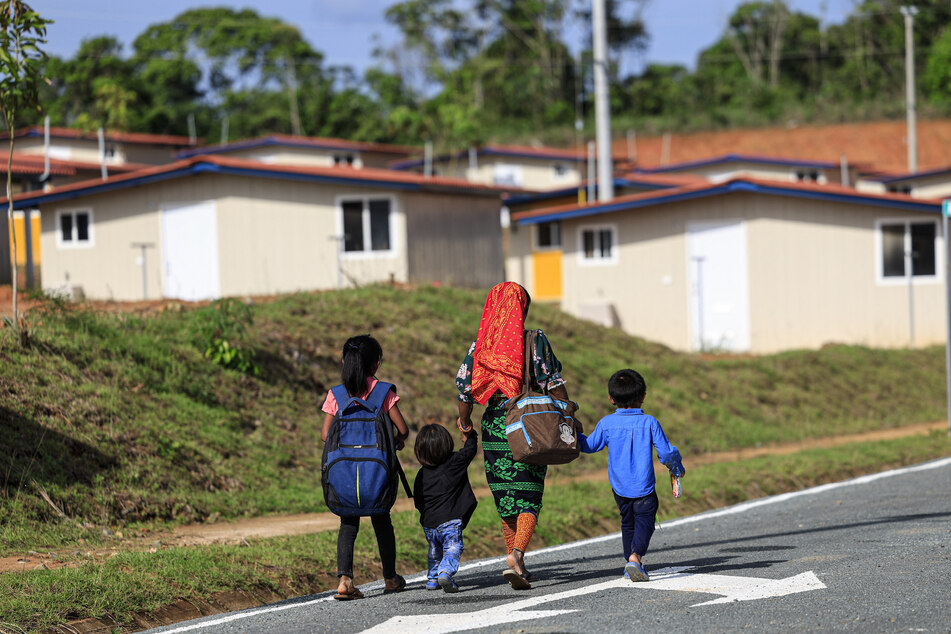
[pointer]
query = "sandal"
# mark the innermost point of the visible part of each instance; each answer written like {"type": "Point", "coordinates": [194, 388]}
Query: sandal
{"type": "Point", "coordinates": [400, 584]}
{"type": "Point", "coordinates": [348, 596]}
{"type": "Point", "coordinates": [517, 581]}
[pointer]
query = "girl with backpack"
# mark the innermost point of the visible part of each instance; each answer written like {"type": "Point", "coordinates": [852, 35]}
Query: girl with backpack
{"type": "Point", "coordinates": [362, 356]}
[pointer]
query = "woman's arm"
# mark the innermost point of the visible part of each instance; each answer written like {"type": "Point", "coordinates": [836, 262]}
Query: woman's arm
{"type": "Point", "coordinates": [401, 428]}
{"type": "Point", "coordinates": [465, 416]}
{"type": "Point", "coordinates": [328, 418]}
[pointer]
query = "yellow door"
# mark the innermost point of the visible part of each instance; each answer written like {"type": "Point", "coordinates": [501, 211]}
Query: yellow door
{"type": "Point", "coordinates": [547, 268]}
{"type": "Point", "coordinates": [19, 225]}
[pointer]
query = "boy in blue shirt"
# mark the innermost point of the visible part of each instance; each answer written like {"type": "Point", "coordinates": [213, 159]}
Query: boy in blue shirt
{"type": "Point", "coordinates": [629, 434]}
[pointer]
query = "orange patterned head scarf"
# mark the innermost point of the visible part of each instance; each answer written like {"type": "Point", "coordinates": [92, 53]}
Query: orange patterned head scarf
{"type": "Point", "coordinates": [500, 346]}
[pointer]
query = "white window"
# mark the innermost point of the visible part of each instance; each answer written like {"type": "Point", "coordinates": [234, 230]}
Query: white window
{"type": "Point", "coordinates": [366, 225]}
{"type": "Point", "coordinates": [561, 172]}
{"type": "Point", "coordinates": [507, 174]}
{"type": "Point", "coordinates": [902, 241]}
{"type": "Point", "coordinates": [74, 228]}
{"type": "Point", "coordinates": [343, 159]}
{"type": "Point", "coordinates": [597, 244]}
{"type": "Point", "coordinates": [548, 235]}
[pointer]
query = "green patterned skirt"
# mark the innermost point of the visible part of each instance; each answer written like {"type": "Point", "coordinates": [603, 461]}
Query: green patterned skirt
{"type": "Point", "coordinates": [516, 486]}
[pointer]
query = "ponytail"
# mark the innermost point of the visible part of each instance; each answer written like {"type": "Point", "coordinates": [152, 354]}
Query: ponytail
{"type": "Point", "coordinates": [360, 354]}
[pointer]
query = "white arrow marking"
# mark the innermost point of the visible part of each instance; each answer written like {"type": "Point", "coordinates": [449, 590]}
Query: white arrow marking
{"type": "Point", "coordinates": [731, 588]}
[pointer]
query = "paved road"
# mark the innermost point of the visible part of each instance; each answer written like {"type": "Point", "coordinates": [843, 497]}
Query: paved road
{"type": "Point", "coordinates": [871, 554]}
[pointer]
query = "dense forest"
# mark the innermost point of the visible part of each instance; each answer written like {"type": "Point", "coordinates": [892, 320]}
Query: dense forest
{"type": "Point", "coordinates": [476, 71]}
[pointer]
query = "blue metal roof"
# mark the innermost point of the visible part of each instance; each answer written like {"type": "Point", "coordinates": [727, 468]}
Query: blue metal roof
{"type": "Point", "coordinates": [726, 188]}
{"type": "Point", "coordinates": [68, 192]}
{"type": "Point", "coordinates": [557, 193]}
{"type": "Point", "coordinates": [738, 158]}
{"type": "Point", "coordinates": [910, 176]}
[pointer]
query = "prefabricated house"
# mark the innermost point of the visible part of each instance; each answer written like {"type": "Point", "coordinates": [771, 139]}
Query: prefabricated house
{"type": "Point", "coordinates": [745, 265]}
{"type": "Point", "coordinates": [512, 166]}
{"type": "Point", "coordinates": [211, 226]}
{"type": "Point", "coordinates": [286, 149]}
{"type": "Point", "coordinates": [70, 144]}
{"type": "Point", "coordinates": [722, 168]}
{"type": "Point", "coordinates": [933, 184]}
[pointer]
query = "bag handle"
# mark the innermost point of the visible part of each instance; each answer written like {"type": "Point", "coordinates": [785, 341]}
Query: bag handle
{"type": "Point", "coordinates": [529, 354]}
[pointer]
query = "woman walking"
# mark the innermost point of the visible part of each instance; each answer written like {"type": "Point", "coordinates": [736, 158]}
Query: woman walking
{"type": "Point", "coordinates": [490, 375]}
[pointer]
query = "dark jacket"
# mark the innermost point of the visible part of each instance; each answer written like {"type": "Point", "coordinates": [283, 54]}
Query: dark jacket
{"type": "Point", "coordinates": [443, 492]}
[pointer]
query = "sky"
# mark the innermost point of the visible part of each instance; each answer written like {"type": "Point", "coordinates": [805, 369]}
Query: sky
{"type": "Point", "coordinates": [343, 30]}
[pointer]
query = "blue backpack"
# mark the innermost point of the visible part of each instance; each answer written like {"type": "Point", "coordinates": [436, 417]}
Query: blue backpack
{"type": "Point", "coordinates": [360, 468]}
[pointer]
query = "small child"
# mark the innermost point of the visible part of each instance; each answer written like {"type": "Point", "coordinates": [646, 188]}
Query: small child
{"type": "Point", "coordinates": [362, 356]}
{"type": "Point", "coordinates": [629, 434]}
{"type": "Point", "coordinates": [445, 500]}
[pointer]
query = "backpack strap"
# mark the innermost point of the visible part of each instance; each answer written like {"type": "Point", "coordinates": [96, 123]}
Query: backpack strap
{"type": "Point", "coordinates": [376, 399]}
{"type": "Point", "coordinates": [378, 395]}
{"type": "Point", "coordinates": [342, 397]}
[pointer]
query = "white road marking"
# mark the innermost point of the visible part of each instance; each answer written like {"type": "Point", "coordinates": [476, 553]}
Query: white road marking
{"type": "Point", "coordinates": [732, 588]}
{"type": "Point", "coordinates": [732, 510]}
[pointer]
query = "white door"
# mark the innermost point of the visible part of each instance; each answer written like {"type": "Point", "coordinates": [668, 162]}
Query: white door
{"type": "Point", "coordinates": [719, 286]}
{"type": "Point", "coordinates": [190, 251]}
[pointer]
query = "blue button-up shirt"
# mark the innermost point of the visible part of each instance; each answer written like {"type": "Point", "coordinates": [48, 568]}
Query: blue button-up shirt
{"type": "Point", "coordinates": [629, 435]}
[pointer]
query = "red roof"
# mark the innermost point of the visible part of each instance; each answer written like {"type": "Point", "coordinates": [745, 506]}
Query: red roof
{"type": "Point", "coordinates": [33, 164]}
{"type": "Point", "coordinates": [199, 164]}
{"type": "Point", "coordinates": [879, 145]}
{"type": "Point", "coordinates": [124, 137]}
{"type": "Point", "coordinates": [671, 194]}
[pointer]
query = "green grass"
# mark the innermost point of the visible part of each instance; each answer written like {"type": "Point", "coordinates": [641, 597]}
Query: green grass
{"type": "Point", "coordinates": [123, 421]}
{"type": "Point", "coordinates": [126, 425]}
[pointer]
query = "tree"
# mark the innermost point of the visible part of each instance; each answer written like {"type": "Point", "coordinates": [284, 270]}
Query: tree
{"type": "Point", "coordinates": [76, 94]}
{"type": "Point", "coordinates": [22, 31]}
{"type": "Point", "coordinates": [227, 50]}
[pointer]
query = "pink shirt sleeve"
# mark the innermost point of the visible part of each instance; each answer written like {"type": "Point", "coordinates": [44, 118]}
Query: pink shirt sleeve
{"type": "Point", "coordinates": [330, 403]}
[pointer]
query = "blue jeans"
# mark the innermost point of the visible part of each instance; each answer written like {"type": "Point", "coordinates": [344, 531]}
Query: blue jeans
{"type": "Point", "coordinates": [445, 548]}
{"type": "Point", "coordinates": [637, 522]}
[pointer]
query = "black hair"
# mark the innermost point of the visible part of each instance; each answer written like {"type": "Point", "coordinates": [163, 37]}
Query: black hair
{"type": "Point", "coordinates": [627, 388]}
{"type": "Point", "coordinates": [360, 354]}
{"type": "Point", "coordinates": [433, 445]}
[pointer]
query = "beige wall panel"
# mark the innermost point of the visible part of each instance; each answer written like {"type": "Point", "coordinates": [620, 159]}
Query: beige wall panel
{"type": "Point", "coordinates": [869, 187]}
{"type": "Point", "coordinates": [455, 239]}
{"type": "Point", "coordinates": [288, 226]}
{"type": "Point", "coordinates": [88, 150]}
{"type": "Point", "coordinates": [108, 269]}
{"type": "Point", "coordinates": [647, 287]}
{"type": "Point", "coordinates": [813, 280]}
{"type": "Point", "coordinates": [812, 274]}
{"type": "Point", "coordinates": [937, 188]}
{"type": "Point", "coordinates": [286, 156]}
{"type": "Point", "coordinates": [536, 174]}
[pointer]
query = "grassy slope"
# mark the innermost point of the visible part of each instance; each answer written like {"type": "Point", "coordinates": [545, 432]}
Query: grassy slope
{"type": "Point", "coordinates": [125, 425]}
{"type": "Point", "coordinates": [121, 420]}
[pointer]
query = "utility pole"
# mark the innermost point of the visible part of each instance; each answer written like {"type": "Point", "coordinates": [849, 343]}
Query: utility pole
{"type": "Point", "coordinates": [602, 102]}
{"type": "Point", "coordinates": [910, 12]}
{"type": "Point", "coordinates": [142, 262]}
{"type": "Point", "coordinates": [291, 80]}
{"type": "Point", "coordinates": [103, 170]}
